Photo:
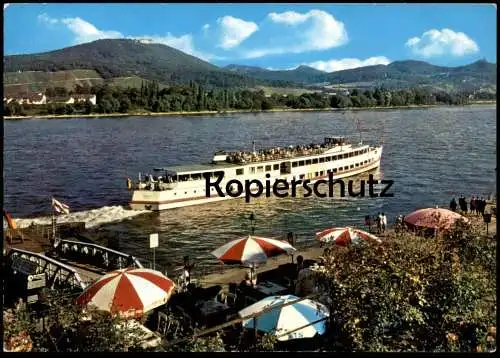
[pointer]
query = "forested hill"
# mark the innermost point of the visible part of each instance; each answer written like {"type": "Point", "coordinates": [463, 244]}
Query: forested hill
{"type": "Point", "coordinates": [112, 58]}
{"type": "Point", "coordinates": [397, 74]}
{"type": "Point", "coordinates": [302, 74]}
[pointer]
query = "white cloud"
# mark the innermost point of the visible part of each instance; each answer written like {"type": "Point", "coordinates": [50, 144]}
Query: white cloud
{"type": "Point", "coordinates": [348, 63]}
{"type": "Point", "coordinates": [182, 43]}
{"type": "Point", "coordinates": [206, 27]}
{"type": "Point", "coordinates": [445, 42]}
{"type": "Point", "coordinates": [315, 30]}
{"type": "Point", "coordinates": [46, 19]}
{"type": "Point", "coordinates": [86, 32]}
{"type": "Point", "coordinates": [234, 31]}
{"type": "Point", "coordinates": [288, 17]}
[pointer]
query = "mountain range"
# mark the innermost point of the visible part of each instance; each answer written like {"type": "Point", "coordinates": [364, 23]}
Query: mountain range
{"type": "Point", "coordinates": [396, 74]}
{"type": "Point", "coordinates": [113, 59]}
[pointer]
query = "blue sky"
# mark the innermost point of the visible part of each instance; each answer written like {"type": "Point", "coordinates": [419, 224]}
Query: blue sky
{"type": "Point", "coordinates": [276, 36]}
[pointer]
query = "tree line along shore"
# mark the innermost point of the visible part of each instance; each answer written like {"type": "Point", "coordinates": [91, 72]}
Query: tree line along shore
{"type": "Point", "coordinates": [193, 99]}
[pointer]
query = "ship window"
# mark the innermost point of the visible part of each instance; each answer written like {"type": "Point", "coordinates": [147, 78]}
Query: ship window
{"type": "Point", "coordinates": [321, 160]}
{"type": "Point", "coordinates": [196, 176]}
{"type": "Point", "coordinates": [315, 161]}
{"type": "Point", "coordinates": [334, 157]}
{"type": "Point", "coordinates": [357, 164]}
{"type": "Point", "coordinates": [350, 154]}
{"type": "Point", "coordinates": [268, 168]}
{"type": "Point", "coordinates": [345, 155]}
{"type": "Point", "coordinates": [183, 177]}
{"type": "Point", "coordinates": [260, 169]}
{"type": "Point", "coordinates": [185, 192]}
{"type": "Point", "coordinates": [276, 167]}
{"type": "Point", "coordinates": [352, 166]}
{"type": "Point", "coordinates": [239, 171]}
{"type": "Point", "coordinates": [308, 162]}
{"type": "Point", "coordinates": [346, 167]}
{"type": "Point", "coordinates": [341, 169]}
{"type": "Point", "coordinates": [219, 173]}
{"type": "Point", "coordinates": [366, 161]}
{"type": "Point", "coordinates": [195, 191]}
{"type": "Point", "coordinates": [334, 170]}
{"type": "Point", "coordinates": [252, 170]}
{"type": "Point", "coordinates": [356, 152]}
{"type": "Point", "coordinates": [327, 159]}
{"type": "Point", "coordinates": [302, 176]}
{"type": "Point", "coordinates": [328, 170]}
{"type": "Point", "coordinates": [321, 173]}
{"type": "Point", "coordinates": [316, 174]}
{"type": "Point", "coordinates": [301, 163]}
{"type": "Point", "coordinates": [294, 164]}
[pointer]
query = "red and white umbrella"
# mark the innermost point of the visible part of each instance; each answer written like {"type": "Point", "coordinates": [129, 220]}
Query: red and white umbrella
{"type": "Point", "coordinates": [344, 236]}
{"type": "Point", "coordinates": [434, 218]}
{"type": "Point", "coordinates": [128, 292]}
{"type": "Point", "coordinates": [251, 250]}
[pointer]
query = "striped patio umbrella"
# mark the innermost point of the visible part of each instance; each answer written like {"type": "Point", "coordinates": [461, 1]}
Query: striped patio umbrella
{"type": "Point", "coordinates": [433, 218]}
{"type": "Point", "coordinates": [128, 292]}
{"type": "Point", "coordinates": [297, 320]}
{"type": "Point", "coordinates": [251, 250]}
{"type": "Point", "coordinates": [345, 236]}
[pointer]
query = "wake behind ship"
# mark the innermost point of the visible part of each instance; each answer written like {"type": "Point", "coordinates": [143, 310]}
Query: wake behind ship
{"type": "Point", "coordinates": [186, 185]}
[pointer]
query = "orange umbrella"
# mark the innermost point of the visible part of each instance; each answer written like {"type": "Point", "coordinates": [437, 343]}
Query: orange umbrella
{"type": "Point", "coordinates": [434, 218]}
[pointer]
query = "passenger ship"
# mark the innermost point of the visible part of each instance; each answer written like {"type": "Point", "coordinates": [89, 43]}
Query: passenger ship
{"type": "Point", "coordinates": [185, 185]}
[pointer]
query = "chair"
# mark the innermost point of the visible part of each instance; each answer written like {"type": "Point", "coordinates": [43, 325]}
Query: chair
{"type": "Point", "coordinates": [163, 323]}
{"type": "Point", "coordinates": [221, 297]}
{"type": "Point", "coordinates": [231, 299]}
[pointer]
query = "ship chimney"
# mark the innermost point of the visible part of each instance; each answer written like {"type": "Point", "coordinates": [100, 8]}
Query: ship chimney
{"type": "Point", "coordinates": [253, 146]}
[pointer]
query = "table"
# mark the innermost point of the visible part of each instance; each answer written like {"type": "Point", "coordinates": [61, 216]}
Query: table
{"type": "Point", "coordinates": [269, 288]}
{"type": "Point", "coordinates": [210, 307]}
{"type": "Point", "coordinates": [148, 339]}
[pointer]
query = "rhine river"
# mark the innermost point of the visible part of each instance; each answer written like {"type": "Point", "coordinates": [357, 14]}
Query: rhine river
{"type": "Point", "coordinates": [431, 154]}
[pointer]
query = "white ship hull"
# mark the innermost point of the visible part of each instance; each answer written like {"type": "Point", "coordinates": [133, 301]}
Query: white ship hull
{"type": "Point", "coordinates": [192, 192]}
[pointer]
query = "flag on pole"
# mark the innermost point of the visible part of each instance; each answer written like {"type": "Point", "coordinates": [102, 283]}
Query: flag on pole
{"type": "Point", "coordinates": [60, 207]}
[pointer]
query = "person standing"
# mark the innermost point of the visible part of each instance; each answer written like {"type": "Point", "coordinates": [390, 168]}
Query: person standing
{"type": "Point", "coordinates": [384, 222]}
{"type": "Point", "coordinates": [368, 223]}
{"type": "Point", "coordinates": [379, 223]}
{"type": "Point", "coordinates": [461, 202]}
{"type": "Point", "coordinates": [453, 205]}
{"type": "Point", "coordinates": [473, 208]}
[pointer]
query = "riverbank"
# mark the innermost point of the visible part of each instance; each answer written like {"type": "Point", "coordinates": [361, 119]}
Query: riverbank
{"type": "Point", "coordinates": [223, 274]}
{"type": "Point", "coordinates": [234, 111]}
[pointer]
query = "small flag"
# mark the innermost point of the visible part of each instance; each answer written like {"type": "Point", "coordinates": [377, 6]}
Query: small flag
{"type": "Point", "coordinates": [10, 221]}
{"type": "Point", "coordinates": [60, 207]}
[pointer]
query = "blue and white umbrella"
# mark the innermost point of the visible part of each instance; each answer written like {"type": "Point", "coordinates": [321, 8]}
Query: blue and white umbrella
{"type": "Point", "coordinates": [282, 320]}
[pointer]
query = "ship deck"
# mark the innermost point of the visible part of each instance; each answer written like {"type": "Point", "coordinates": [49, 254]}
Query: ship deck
{"type": "Point", "coordinates": [197, 167]}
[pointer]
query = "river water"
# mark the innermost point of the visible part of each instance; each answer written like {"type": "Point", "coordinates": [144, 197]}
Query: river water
{"type": "Point", "coordinates": [431, 155]}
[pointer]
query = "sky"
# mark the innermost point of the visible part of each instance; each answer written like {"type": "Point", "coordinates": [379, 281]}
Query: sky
{"type": "Point", "coordinates": [273, 36]}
